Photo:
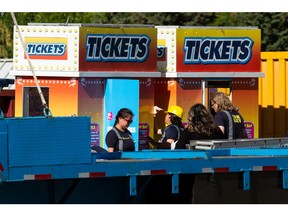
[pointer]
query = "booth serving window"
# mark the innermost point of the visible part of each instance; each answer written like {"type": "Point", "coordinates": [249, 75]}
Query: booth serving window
{"type": "Point", "coordinates": [32, 104]}
{"type": "Point", "coordinates": [212, 86]}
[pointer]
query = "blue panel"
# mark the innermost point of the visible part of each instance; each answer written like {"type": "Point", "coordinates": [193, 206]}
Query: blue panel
{"type": "Point", "coordinates": [49, 141]}
{"type": "Point", "coordinates": [246, 180]}
{"type": "Point", "coordinates": [175, 183]}
{"type": "Point", "coordinates": [133, 186]}
{"type": "Point", "coordinates": [3, 148]}
{"type": "Point", "coordinates": [260, 152]}
{"type": "Point", "coordinates": [120, 93]}
{"type": "Point", "coordinates": [285, 179]}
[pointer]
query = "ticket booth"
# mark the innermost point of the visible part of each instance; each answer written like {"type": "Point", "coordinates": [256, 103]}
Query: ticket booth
{"type": "Point", "coordinates": [94, 70]}
{"type": "Point", "coordinates": [89, 70]}
{"type": "Point", "coordinates": [203, 60]}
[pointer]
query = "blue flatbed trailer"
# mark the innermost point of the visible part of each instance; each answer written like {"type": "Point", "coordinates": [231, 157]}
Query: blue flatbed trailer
{"type": "Point", "coordinates": [49, 160]}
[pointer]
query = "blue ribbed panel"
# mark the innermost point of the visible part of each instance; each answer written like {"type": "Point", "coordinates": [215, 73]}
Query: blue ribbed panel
{"type": "Point", "coordinates": [3, 147]}
{"type": "Point", "coordinates": [49, 141]}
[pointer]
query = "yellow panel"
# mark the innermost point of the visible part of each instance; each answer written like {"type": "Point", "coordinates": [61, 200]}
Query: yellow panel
{"type": "Point", "coordinates": [224, 90]}
{"type": "Point", "coordinates": [267, 83]}
{"type": "Point", "coordinates": [274, 55]}
{"type": "Point", "coordinates": [272, 88]}
{"type": "Point", "coordinates": [276, 84]}
{"type": "Point", "coordinates": [161, 42]}
{"type": "Point", "coordinates": [286, 81]}
{"type": "Point", "coordinates": [282, 83]}
{"type": "Point", "coordinates": [273, 94]}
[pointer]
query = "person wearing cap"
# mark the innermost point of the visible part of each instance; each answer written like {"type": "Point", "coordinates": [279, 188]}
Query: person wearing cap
{"type": "Point", "coordinates": [171, 133]}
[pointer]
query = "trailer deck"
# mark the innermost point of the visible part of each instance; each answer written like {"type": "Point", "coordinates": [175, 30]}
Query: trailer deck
{"type": "Point", "coordinates": [59, 148]}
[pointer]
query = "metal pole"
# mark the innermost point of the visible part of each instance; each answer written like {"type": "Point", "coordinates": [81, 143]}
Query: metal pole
{"type": "Point", "coordinates": [30, 64]}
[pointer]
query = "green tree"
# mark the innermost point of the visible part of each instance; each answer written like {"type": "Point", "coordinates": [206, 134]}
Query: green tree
{"type": "Point", "coordinates": [179, 19]}
{"type": "Point", "coordinates": [273, 26]}
{"type": "Point", "coordinates": [6, 37]}
{"type": "Point", "coordinates": [6, 25]}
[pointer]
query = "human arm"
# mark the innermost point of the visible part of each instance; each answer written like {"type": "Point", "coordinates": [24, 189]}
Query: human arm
{"type": "Point", "coordinates": [183, 140]}
{"type": "Point", "coordinates": [220, 120]}
{"type": "Point", "coordinates": [170, 141]}
{"type": "Point", "coordinates": [156, 109]}
{"type": "Point", "coordinates": [156, 129]}
{"type": "Point", "coordinates": [159, 131]}
{"type": "Point", "coordinates": [161, 145]}
{"type": "Point", "coordinates": [111, 140]}
{"type": "Point", "coordinates": [170, 135]}
{"type": "Point", "coordinates": [110, 149]}
{"type": "Point", "coordinates": [222, 128]}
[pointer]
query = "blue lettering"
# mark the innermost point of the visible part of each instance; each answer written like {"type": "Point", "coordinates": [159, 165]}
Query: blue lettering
{"type": "Point", "coordinates": [217, 50]}
{"type": "Point", "coordinates": [160, 51]}
{"type": "Point", "coordinates": [44, 49]}
{"type": "Point", "coordinates": [116, 48]}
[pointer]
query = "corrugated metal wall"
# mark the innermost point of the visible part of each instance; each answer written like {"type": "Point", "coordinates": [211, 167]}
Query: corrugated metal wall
{"type": "Point", "coordinates": [273, 95]}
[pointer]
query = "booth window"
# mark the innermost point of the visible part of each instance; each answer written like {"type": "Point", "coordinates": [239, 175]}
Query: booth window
{"type": "Point", "coordinates": [212, 86]}
{"type": "Point", "coordinates": [32, 104]}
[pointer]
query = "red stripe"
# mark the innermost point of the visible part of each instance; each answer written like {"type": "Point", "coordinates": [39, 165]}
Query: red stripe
{"type": "Point", "coordinates": [97, 174]}
{"type": "Point", "coordinates": [221, 169]}
{"type": "Point", "coordinates": [158, 172]}
{"type": "Point", "coordinates": [43, 176]}
{"type": "Point", "coordinates": [1, 168]}
{"type": "Point", "coordinates": [269, 168]}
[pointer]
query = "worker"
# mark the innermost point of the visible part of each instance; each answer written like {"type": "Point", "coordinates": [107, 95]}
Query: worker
{"type": "Point", "coordinates": [227, 117]}
{"type": "Point", "coordinates": [171, 133]}
{"type": "Point", "coordinates": [119, 138]}
{"type": "Point", "coordinates": [200, 126]}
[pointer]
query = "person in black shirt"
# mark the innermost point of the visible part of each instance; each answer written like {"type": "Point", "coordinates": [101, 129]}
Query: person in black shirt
{"type": "Point", "coordinates": [200, 126]}
{"type": "Point", "coordinates": [172, 132]}
{"type": "Point", "coordinates": [119, 138]}
{"type": "Point", "coordinates": [227, 117]}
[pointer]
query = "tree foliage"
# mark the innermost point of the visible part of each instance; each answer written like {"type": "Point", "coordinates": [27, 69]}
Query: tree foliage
{"type": "Point", "coordinates": [273, 26]}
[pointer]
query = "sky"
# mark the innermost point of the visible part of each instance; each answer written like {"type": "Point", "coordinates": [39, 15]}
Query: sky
{"type": "Point", "coordinates": [143, 6]}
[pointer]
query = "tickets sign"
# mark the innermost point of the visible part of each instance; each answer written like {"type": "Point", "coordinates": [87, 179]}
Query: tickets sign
{"type": "Point", "coordinates": [118, 49]}
{"type": "Point", "coordinates": [50, 48]}
{"type": "Point", "coordinates": [217, 49]}
{"type": "Point", "coordinates": [46, 48]}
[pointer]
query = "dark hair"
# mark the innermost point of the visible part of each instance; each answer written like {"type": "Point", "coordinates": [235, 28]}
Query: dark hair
{"type": "Point", "coordinates": [123, 113]}
{"type": "Point", "coordinates": [176, 120]}
{"type": "Point", "coordinates": [200, 120]}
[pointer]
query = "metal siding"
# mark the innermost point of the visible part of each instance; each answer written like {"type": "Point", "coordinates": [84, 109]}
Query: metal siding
{"type": "Point", "coordinates": [272, 88]}
{"type": "Point", "coordinates": [273, 95]}
{"type": "Point", "coordinates": [282, 83]}
{"type": "Point", "coordinates": [3, 148]}
{"type": "Point", "coordinates": [192, 162]}
{"type": "Point", "coordinates": [46, 141]}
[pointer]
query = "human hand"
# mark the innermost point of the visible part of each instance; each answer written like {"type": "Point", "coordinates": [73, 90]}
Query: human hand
{"type": "Point", "coordinates": [157, 109]}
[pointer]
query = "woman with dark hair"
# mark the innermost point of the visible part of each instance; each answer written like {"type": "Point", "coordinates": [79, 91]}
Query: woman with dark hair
{"type": "Point", "coordinates": [200, 126]}
{"type": "Point", "coordinates": [171, 133]}
{"type": "Point", "coordinates": [119, 138]}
